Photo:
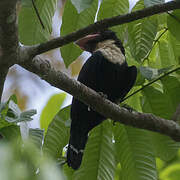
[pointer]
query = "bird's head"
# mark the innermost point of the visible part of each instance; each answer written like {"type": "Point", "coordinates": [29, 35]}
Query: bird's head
{"type": "Point", "coordinates": [89, 43]}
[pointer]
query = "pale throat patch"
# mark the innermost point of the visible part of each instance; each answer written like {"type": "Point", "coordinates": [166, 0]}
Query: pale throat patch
{"type": "Point", "coordinates": [110, 51]}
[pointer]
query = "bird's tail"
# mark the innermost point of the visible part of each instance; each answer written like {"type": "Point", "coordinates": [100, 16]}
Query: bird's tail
{"type": "Point", "coordinates": [75, 151]}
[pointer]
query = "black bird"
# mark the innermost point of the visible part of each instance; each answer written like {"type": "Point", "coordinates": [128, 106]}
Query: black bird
{"type": "Point", "coordinates": [106, 71]}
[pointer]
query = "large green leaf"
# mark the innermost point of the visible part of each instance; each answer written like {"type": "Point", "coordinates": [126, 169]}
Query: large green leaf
{"type": "Point", "coordinates": [81, 4]}
{"type": "Point", "coordinates": [134, 101]}
{"type": "Point", "coordinates": [165, 148]}
{"type": "Point", "coordinates": [135, 153]}
{"type": "Point", "coordinates": [171, 87]}
{"type": "Point", "coordinates": [156, 102]}
{"type": "Point", "coordinates": [36, 136]}
{"type": "Point", "coordinates": [160, 102]}
{"type": "Point", "coordinates": [171, 172]}
{"type": "Point", "coordinates": [10, 132]}
{"type": "Point", "coordinates": [72, 21]}
{"type": "Point", "coordinates": [50, 110]}
{"type": "Point", "coordinates": [141, 35]}
{"type": "Point", "coordinates": [112, 8]}
{"type": "Point", "coordinates": [148, 3]}
{"type": "Point", "coordinates": [162, 21]}
{"type": "Point", "coordinates": [30, 29]}
{"type": "Point", "coordinates": [175, 47]}
{"type": "Point", "coordinates": [57, 135]}
{"type": "Point", "coordinates": [152, 73]}
{"type": "Point", "coordinates": [173, 24]}
{"type": "Point", "coordinates": [165, 53]}
{"type": "Point", "coordinates": [99, 156]}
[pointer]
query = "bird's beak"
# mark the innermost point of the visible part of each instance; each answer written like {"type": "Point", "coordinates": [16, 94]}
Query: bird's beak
{"type": "Point", "coordinates": [82, 42]}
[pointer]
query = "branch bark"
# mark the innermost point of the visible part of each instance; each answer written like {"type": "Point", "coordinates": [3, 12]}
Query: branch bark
{"type": "Point", "coordinates": [99, 104]}
{"type": "Point", "coordinates": [8, 38]}
{"type": "Point", "coordinates": [101, 25]}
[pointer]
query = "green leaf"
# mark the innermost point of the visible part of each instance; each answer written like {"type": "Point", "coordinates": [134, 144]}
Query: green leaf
{"type": "Point", "coordinates": [173, 23]}
{"type": "Point", "coordinates": [72, 21]}
{"type": "Point", "coordinates": [175, 47]}
{"type": "Point", "coordinates": [112, 8]}
{"type": "Point", "coordinates": [164, 53]}
{"type": "Point", "coordinates": [50, 110]}
{"type": "Point", "coordinates": [171, 172]}
{"type": "Point", "coordinates": [99, 156]}
{"type": "Point", "coordinates": [30, 29]}
{"type": "Point", "coordinates": [36, 135]}
{"type": "Point", "coordinates": [81, 5]}
{"type": "Point", "coordinates": [3, 113]}
{"type": "Point", "coordinates": [171, 87]}
{"type": "Point", "coordinates": [161, 101]}
{"type": "Point", "coordinates": [148, 73]}
{"type": "Point", "coordinates": [13, 98]}
{"type": "Point", "coordinates": [23, 162]}
{"type": "Point", "coordinates": [27, 115]}
{"type": "Point", "coordinates": [135, 153]}
{"type": "Point", "coordinates": [148, 3]}
{"type": "Point", "coordinates": [156, 102]}
{"type": "Point", "coordinates": [141, 35]}
{"type": "Point", "coordinates": [134, 101]}
{"type": "Point", "coordinates": [164, 147]}
{"type": "Point", "coordinates": [20, 117]}
{"type": "Point", "coordinates": [10, 114]}
{"type": "Point", "coordinates": [152, 73]}
{"type": "Point", "coordinates": [57, 135]}
{"type": "Point", "coordinates": [26, 3]}
{"type": "Point", "coordinates": [11, 132]}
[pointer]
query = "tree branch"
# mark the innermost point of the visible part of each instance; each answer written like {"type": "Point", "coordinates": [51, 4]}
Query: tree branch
{"type": "Point", "coordinates": [99, 104]}
{"type": "Point", "coordinates": [8, 38]}
{"type": "Point", "coordinates": [103, 24]}
{"type": "Point", "coordinates": [176, 116]}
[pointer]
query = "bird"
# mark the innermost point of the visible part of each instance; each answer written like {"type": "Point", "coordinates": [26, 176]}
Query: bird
{"type": "Point", "coordinates": [105, 71]}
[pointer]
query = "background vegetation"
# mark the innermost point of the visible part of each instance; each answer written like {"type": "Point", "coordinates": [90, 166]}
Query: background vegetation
{"type": "Point", "coordinates": [113, 151]}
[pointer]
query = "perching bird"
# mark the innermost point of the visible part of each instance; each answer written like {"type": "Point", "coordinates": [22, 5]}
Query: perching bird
{"type": "Point", "coordinates": [106, 71]}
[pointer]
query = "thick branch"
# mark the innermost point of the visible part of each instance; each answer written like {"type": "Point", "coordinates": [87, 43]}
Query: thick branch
{"type": "Point", "coordinates": [8, 38]}
{"type": "Point", "coordinates": [100, 25]}
{"type": "Point", "coordinates": [78, 90]}
{"type": "Point", "coordinates": [101, 105]}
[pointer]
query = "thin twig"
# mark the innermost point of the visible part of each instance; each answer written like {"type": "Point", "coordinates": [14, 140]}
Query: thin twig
{"type": "Point", "coordinates": [37, 13]}
{"type": "Point", "coordinates": [148, 84]}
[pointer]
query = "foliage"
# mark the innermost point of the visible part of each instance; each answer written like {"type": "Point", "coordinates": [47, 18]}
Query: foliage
{"type": "Point", "coordinates": [50, 110]}
{"type": "Point", "coordinates": [113, 151]}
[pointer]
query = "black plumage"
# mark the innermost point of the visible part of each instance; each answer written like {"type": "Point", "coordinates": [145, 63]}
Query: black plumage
{"type": "Point", "coordinates": [106, 71]}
